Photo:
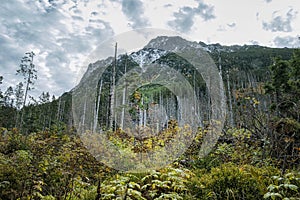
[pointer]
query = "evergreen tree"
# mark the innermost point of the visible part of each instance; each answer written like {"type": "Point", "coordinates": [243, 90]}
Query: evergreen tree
{"type": "Point", "coordinates": [284, 86]}
{"type": "Point", "coordinates": [7, 112]}
{"type": "Point", "coordinates": [8, 97]}
{"type": "Point", "coordinates": [19, 94]}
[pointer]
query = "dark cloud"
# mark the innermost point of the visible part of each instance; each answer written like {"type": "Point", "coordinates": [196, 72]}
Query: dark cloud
{"type": "Point", "coordinates": [168, 5]}
{"type": "Point", "coordinates": [205, 11]}
{"type": "Point", "coordinates": [268, 1]}
{"type": "Point", "coordinates": [254, 42]}
{"type": "Point", "coordinates": [133, 9]}
{"type": "Point", "coordinates": [94, 13]}
{"type": "Point", "coordinates": [257, 16]}
{"type": "Point", "coordinates": [280, 23]}
{"type": "Point", "coordinates": [183, 21]}
{"type": "Point", "coordinates": [288, 41]}
{"type": "Point", "coordinates": [226, 27]}
{"type": "Point", "coordinates": [77, 18]}
{"type": "Point", "coordinates": [232, 25]}
{"type": "Point", "coordinates": [56, 3]}
{"type": "Point", "coordinates": [184, 18]}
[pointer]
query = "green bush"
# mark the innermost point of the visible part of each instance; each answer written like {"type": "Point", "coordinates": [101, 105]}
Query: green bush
{"type": "Point", "coordinates": [230, 181]}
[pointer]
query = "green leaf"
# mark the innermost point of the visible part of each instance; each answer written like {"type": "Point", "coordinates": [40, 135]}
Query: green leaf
{"type": "Point", "coordinates": [134, 185]}
{"type": "Point", "coordinates": [272, 187]}
{"type": "Point", "coordinates": [136, 194]}
{"type": "Point", "coordinates": [291, 186]}
{"type": "Point", "coordinates": [273, 195]}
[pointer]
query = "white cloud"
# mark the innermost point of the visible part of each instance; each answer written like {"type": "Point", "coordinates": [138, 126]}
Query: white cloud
{"type": "Point", "coordinates": [184, 18]}
{"type": "Point", "coordinates": [55, 31]}
{"type": "Point", "coordinates": [287, 41]}
{"type": "Point", "coordinates": [280, 22]}
{"type": "Point", "coordinates": [133, 9]}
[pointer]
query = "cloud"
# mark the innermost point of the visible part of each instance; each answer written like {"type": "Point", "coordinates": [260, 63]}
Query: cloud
{"type": "Point", "coordinates": [205, 11]}
{"type": "Point", "coordinates": [232, 25]}
{"type": "Point", "coordinates": [168, 5]}
{"type": "Point", "coordinates": [288, 41]}
{"type": "Point", "coordinates": [133, 9]}
{"type": "Point", "coordinates": [268, 1]}
{"type": "Point", "coordinates": [94, 13]}
{"type": "Point", "coordinates": [280, 23]}
{"type": "Point", "coordinates": [223, 28]}
{"type": "Point", "coordinates": [60, 37]}
{"type": "Point", "coordinates": [184, 18]}
{"type": "Point", "coordinates": [79, 18]}
{"type": "Point", "coordinates": [253, 42]}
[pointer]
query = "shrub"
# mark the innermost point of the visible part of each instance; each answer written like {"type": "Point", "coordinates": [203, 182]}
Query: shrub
{"type": "Point", "coordinates": [168, 183]}
{"type": "Point", "coordinates": [230, 181]}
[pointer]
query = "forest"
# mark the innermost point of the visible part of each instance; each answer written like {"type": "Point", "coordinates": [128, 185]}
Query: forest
{"type": "Point", "coordinates": [257, 156]}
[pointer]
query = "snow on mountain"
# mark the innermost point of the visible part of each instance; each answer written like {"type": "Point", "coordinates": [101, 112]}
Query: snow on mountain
{"type": "Point", "coordinates": [147, 55]}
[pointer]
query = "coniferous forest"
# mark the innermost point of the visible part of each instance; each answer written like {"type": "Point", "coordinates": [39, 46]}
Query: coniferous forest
{"type": "Point", "coordinates": [257, 155]}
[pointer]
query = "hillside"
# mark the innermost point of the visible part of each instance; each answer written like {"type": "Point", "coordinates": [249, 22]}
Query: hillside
{"type": "Point", "coordinates": [244, 70]}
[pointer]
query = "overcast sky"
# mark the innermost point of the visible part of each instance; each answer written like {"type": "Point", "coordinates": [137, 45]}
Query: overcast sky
{"type": "Point", "coordinates": [62, 33]}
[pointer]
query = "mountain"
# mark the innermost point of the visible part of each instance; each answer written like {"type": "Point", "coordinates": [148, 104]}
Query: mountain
{"type": "Point", "coordinates": [244, 70]}
{"type": "Point", "coordinates": [246, 56]}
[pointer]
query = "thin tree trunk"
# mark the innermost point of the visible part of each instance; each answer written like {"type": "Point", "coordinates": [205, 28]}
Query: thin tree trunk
{"type": "Point", "coordinates": [123, 109]}
{"type": "Point", "coordinates": [124, 97]}
{"type": "Point", "coordinates": [83, 117]}
{"type": "Point", "coordinates": [230, 102]}
{"type": "Point", "coordinates": [97, 108]}
{"type": "Point", "coordinates": [112, 94]}
{"type": "Point", "coordinates": [195, 97]}
{"type": "Point", "coordinates": [25, 97]}
{"type": "Point", "coordinates": [141, 114]}
{"type": "Point", "coordinates": [98, 197]}
{"type": "Point", "coordinates": [145, 118]}
{"type": "Point", "coordinates": [58, 110]}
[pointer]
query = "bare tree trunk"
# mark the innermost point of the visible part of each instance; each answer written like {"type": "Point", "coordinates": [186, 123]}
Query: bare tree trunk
{"type": "Point", "coordinates": [161, 106]}
{"type": "Point", "coordinates": [97, 108]}
{"type": "Point", "coordinates": [123, 109]}
{"type": "Point", "coordinates": [124, 97]}
{"type": "Point", "coordinates": [115, 113]}
{"type": "Point", "coordinates": [26, 93]}
{"type": "Point", "coordinates": [58, 110]}
{"type": "Point", "coordinates": [112, 94]}
{"type": "Point", "coordinates": [195, 97]}
{"type": "Point", "coordinates": [141, 114]}
{"type": "Point", "coordinates": [230, 102]}
{"type": "Point", "coordinates": [83, 117]}
{"type": "Point", "coordinates": [145, 118]}
{"type": "Point", "coordinates": [107, 112]}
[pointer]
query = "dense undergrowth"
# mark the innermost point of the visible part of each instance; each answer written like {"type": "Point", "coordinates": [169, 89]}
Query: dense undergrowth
{"type": "Point", "coordinates": [53, 164]}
